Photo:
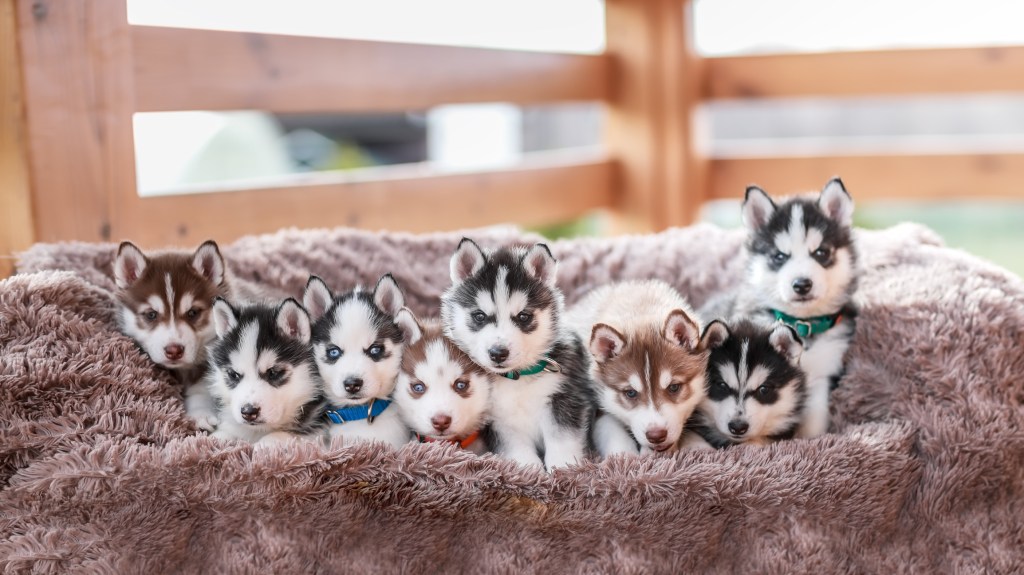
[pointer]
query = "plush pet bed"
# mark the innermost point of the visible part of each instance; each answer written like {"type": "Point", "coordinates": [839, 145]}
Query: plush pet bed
{"type": "Point", "coordinates": [100, 470]}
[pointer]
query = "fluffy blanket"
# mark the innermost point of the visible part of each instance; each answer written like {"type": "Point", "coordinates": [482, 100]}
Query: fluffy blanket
{"type": "Point", "coordinates": [100, 470]}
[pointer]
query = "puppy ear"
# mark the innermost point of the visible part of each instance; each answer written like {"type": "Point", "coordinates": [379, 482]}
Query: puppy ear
{"type": "Point", "coordinates": [388, 296]}
{"type": "Point", "coordinates": [411, 329]}
{"type": "Point", "coordinates": [317, 298]}
{"type": "Point", "coordinates": [209, 263]}
{"type": "Point", "coordinates": [757, 208]}
{"type": "Point", "coordinates": [225, 318]}
{"type": "Point", "coordinates": [786, 341]}
{"type": "Point", "coordinates": [836, 202]}
{"type": "Point", "coordinates": [540, 264]}
{"type": "Point", "coordinates": [293, 321]}
{"type": "Point", "coordinates": [605, 342]}
{"type": "Point", "coordinates": [681, 329]}
{"type": "Point", "coordinates": [715, 334]}
{"type": "Point", "coordinates": [467, 260]}
{"type": "Point", "coordinates": [128, 265]}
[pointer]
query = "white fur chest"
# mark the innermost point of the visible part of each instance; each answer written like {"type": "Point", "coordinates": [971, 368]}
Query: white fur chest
{"type": "Point", "coordinates": [519, 404]}
{"type": "Point", "coordinates": [824, 357]}
{"type": "Point", "coordinates": [386, 427]}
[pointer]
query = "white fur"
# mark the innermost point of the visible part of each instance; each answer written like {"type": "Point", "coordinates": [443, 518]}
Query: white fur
{"type": "Point", "coordinates": [820, 362]}
{"type": "Point", "coordinates": [438, 372]}
{"type": "Point", "coordinates": [353, 332]}
{"type": "Point", "coordinates": [522, 419]}
{"type": "Point", "coordinates": [386, 427]}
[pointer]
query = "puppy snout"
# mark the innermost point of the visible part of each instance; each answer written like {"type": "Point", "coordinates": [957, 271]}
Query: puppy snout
{"type": "Point", "coordinates": [441, 422]}
{"type": "Point", "coordinates": [174, 351]}
{"type": "Point", "coordinates": [737, 427]}
{"type": "Point", "coordinates": [353, 384]}
{"type": "Point", "coordinates": [656, 435]}
{"type": "Point", "coordinates": [802, 286]}
{"type": "Point", "coordinates": [250, 412]}
{"type": "Point", "coordinates": [498, 353]}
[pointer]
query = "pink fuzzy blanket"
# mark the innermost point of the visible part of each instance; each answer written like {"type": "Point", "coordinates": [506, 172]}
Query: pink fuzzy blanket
{"type": "Point", "coordinates": [101, 471]}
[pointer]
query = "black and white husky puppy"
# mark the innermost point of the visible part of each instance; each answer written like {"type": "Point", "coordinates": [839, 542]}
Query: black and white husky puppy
{"type": "Point", "coordinates": [803, 272]}
{"type": "Point", "coordinates": [504, 310]}
{"type": "Point", "coordinates": [358, 348]}
{"type": "Point", "coordinates": [441, 394]}
{"type": "Point", "coordinates": [756, 389]}
{"type": "Point", "coordinates": [649, 364]}
{"type": "Point", "coordinates": [262, 374]}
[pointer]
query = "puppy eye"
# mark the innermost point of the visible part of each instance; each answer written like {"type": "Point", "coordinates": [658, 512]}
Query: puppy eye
{"type": "Point", "coordinates": [524, 317]}
{"type": "Point", "coordinates": [150, 315]}
{"type": "Point", "coordinates": [417, 387]}
{"type": "Point", "coordinates": [779, 257]}
{"type": "Point", "coordinates": [333, 353]}
{"type": "Point", "coordinates": [460, 385]}
{"type": "Point", "coordinates": [192, 313]}
{"type": "Point", "coordinates": [675, 387]}
{"type": "Point", "coordinates": [763, 391]}
{"type": "Point", "coordinates": [232, 375]}
{"type": "Point", "coordinates": [630, 393]}
{"type": "Point", "coordinates": [479, 317]}
{"type": "Point", "coordinates": [822, 253]}
{"type": "Point", "coordinates": [375, 351]}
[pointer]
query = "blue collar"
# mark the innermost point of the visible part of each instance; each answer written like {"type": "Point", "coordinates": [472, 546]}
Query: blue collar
{"type": "Point", "coordinates": [369, 412]}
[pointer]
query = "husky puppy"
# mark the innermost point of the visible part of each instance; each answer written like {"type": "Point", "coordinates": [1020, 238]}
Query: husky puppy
{"type": "Point", "coordinates": [649, 364]}
{"type": "Point", "coordinates": [358, 349]}
{"type": "Point", "coordinates": [504, 311]}
{"type": "Point", "coordinates": [441, 394]}
{"type": "Point", "coordinates": [756, 388]}
{"type": "Point", "coordinates": [164, 302]}
{"type": "Point", "coordinates": [262, 373]}
{"type": "Point", "coordinates": [803, 272]}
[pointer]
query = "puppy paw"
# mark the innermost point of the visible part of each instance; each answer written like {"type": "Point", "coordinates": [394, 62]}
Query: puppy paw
{"type": "Point", "coordinates": [207, 421]}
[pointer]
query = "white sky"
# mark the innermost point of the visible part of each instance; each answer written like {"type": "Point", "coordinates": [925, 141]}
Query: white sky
{"type": "Point", "coordinates": [724, 26]}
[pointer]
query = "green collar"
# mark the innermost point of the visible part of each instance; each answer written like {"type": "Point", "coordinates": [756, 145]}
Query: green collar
{"type": "Point", "coordinates": [532, 370]}
{"type": "Point", "coordinates": [809, 326]}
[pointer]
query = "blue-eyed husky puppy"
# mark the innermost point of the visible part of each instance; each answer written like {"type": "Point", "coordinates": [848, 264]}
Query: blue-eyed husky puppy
{"type": "Point", "coordinates": [504, 311]}
{"type": "Point", "coordinates": [262, 373]}
{"type": "Point", "coordinates": [803, 272]}
{"type": "Point", "coordinates": [756, 389]}
{"type": "Point", "coordinates": [649, 364]}
{"type": "Point", "coordinates": [441, 394]}
{"type": "Point", "coordinates": [358, 348]}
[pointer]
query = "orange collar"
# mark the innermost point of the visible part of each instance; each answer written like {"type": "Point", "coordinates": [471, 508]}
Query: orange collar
{"type": "Point", "coordinates": [464, 443]}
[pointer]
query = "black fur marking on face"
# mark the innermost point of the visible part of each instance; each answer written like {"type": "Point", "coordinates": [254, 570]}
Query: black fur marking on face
{"type": "Point", "coordinates": [759, 353]}
{"type": "Point", "coordinates": [834, 235]}
{"type": "Point", "coordinates": [269, 338]}
{"type": "Point", "coordinates": [382, 323]}
{"type": "Point", "coordinates": [539, 295]}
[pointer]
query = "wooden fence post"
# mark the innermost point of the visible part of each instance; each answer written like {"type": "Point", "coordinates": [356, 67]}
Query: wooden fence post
{"type": "Point", "coordinates": [17, 230]}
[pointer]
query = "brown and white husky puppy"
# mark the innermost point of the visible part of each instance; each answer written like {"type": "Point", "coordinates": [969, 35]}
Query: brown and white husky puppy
{"type": "Point", "coordinates": [164, 303]}
{"type": "Point", "coordinates": [441, 394]}
{"type": "Point", "coordinates": [649, 364]}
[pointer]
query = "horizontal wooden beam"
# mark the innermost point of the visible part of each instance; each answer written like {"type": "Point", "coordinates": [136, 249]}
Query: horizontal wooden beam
{"type": "Point", "coordinates": [874, 73]}
{"type": "Point", "coordinates": [184, 69]}
{"type": "Point", "coordinates": [877, 177]}
{"type": "Point", "coordinates": [409, 198]}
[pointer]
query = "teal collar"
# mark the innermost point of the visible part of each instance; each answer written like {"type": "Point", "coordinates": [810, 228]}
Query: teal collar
{"type": "Point", "coordinates": [369, 411]}
{"type": "Point", "coordinates": [808, 326]}
{"type": "Point", "coordinates": [534, 369]}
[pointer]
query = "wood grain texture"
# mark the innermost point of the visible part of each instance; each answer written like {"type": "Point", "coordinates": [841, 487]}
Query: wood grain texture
{"type": "Point", "coordinates": [17, 230]}
{"type": "Point", "coordinates": [650, 126]}
{"type": "Point", "coordinates": [76, 58]}
{"type": "Point", "coordinates": [877, 177]}
{"type": "Point", "coordinates": [180, 69]}
{"type": "Point", "coordinates": [871, 73]}
{"type": "Point", "coordinates": [409, 198]}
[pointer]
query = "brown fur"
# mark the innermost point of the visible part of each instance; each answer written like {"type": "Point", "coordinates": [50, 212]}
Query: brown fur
{"type": "Point", "coordinates": [415, 354]}
{"type": "Point", "coordinates": [923, 471]}
{"type": "Point", "coordinates": [651, 345]}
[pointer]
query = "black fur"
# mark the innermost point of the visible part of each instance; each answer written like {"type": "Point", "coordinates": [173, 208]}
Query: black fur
{"type": "Point", "coordinates": [383, 323]}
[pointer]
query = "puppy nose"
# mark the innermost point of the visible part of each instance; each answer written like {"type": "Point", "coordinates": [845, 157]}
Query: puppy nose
{"type": "Point", "coordinates": [250, 412]}
{"type": "Point", "coordinates": [656, 434]}
{"type": "Point", "coordinates": [498, 353]}
{"type": "Point", "coordinates": [737, 427]}
{"type": "Point", "coordinates": [174, 351]}
{"type": "Point", "coordinates": [353, 384]}
{"type": "Point", "coordinates": [441, 422]}
{"type": "Point", "coordinates": [802, 286]}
